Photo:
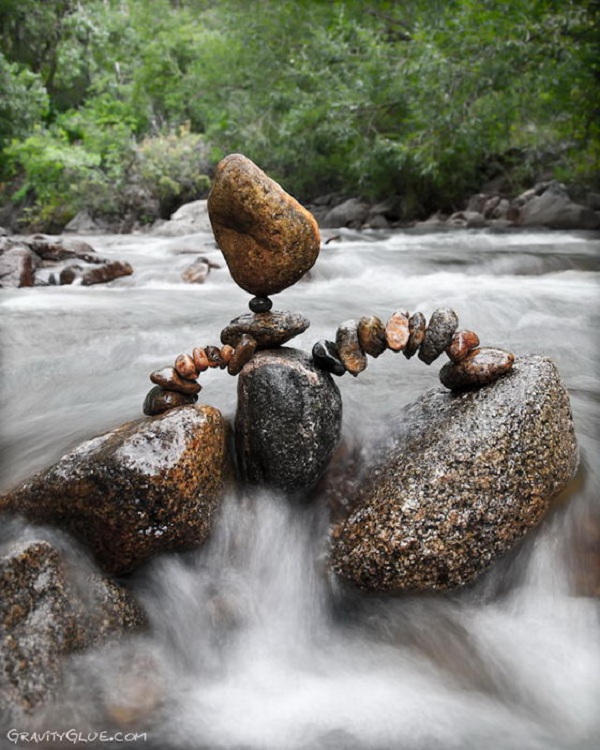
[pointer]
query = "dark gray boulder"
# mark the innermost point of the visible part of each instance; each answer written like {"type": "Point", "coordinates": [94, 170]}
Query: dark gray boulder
{"type": "Point", "coordinates": [554, 209]}
{"type": "Point", "coordinates": [288, 420]}
{"type": "Point", "coordinates": [460, 480]}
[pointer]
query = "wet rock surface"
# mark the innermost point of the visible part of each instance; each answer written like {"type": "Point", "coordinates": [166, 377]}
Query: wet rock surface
{"type": "Point", "coordinates": [417, 325]}
{"type": "Point", "coordinates": [51, 606]}
{"type": "Point", "coordinates": [477, 368]}
{"type": "Point", "coordinates": [147, 487]}
{"type": "Point", "coordinates": [288, 420]}
{"type": "Point", "coordinates": [31, 260]}
{"type": "Point", "coordinates": [438, 336]}
{"type": "Point", "coordinates": [327, 356]}
{"type": "Point", "coordinates": [268, 239]}
{"type": "Point", "coordinates": [461, 479]}
{"type": "Point", "coordinates": [352, 356]}
{"type": "Point", "coordinates": [159, 400]}
{"type": "Point", "coordinates": [462, 343]}
{"type": "Point", "coordinates": [268, 329]}
{"type": "Point", "coordinates": [371, 336]}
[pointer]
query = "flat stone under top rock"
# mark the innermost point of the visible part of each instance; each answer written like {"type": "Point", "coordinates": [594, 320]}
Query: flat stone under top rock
{"type": "Point", "coordinates": [268, 239]}
{"type": "Point", "coordinates": [268, 329]}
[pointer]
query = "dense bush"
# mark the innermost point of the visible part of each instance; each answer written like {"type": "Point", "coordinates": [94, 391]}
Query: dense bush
{"type": "Point", "coordinates": [121, 106]}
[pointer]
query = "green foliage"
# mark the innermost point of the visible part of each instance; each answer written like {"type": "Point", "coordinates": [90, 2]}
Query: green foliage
{"type": "Point", "coordinates": [415, 98]}
{"type": "Point", "coordinates": [172, 169]}
{"type": "Point", "coordinates": [23, 101]}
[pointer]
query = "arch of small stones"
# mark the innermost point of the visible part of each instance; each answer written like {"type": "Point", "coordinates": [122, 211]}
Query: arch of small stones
{"type": "Point", "coordinates": [178, 384]}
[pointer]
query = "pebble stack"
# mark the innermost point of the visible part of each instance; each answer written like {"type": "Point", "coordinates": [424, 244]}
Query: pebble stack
{"type": "Point", "coordinates": [470, 366]}
{"type": "Point", "coordinates": [178, 385]}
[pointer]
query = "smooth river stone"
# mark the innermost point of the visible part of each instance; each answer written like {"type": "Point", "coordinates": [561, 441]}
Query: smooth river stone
{"type": "Point", "coordinates": [479, 367]}
{"type": "Point", "coordinates": [242, 354]}
{"type": "Point", "coordinates": [461, 344]}
{"type": "Point", "coordinates": [352, 356]}
{"type": "Point", "coordinates": [268, 329]}
{"type": "Point", "coordinates": [397, 331]}
{"type": "Point", "coordinates": [158, 400]}
{"type": "Point", "coordinates": [200, 359]}
{"type": "Point", "coordinates": [371, 335]}
{"type": "Point", "coordinates": [170, 379]}
{"type": "Point", "coordinates": [442, 325]}
{"type": "Point", "coordinates": [213, 355]}
{"type": "Point", "coordinates": [417, 325]}
{"type": "Point", "coordinates": [260, 304]}
{"type": "Point", "coordinates": [326, 356]}
{"type": "Point", "coordinates": [268, 239]}
{"type": "Point", "coordinates": [184, 364]}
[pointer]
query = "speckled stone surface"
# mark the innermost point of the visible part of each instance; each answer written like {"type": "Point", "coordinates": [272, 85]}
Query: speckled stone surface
{"type": "Point", "coordinates": [438, 336]}
{"type": "Point", "coordinates": [268, 329]}
{"type": "Point", "coordinates": [51, 607]}
{"type": "Point", "coordinates": [288, 420]}
{"type": "Point", "coordinates": [147, 487]}
{"type": "Point", "coordinates": [461, 479]}
{"type": "Point", "coordinates": [268, 239]}
{"type": "Point", "coordinates": [478, 367]}
{"type": "Point", "coordinates": [352, 356]}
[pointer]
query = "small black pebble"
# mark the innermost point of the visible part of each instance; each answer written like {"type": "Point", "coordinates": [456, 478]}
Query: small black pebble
{"type": "Point", "coordinates": [326, 356]}
{"type": "Point", "coordinates": [260, 304]}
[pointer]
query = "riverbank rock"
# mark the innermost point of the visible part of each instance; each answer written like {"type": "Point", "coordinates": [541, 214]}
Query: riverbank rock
{"type": "Point", "coordinates": [191, 218]}
{"type": "Point", "coordinates": [288, 420]}
{"type": "Point", "coordinates": [554, 209]}
{"type": "Point", "coordinates": [17, 264]}
{"type": "Point", "coordinates": [461, 479]}
{"type": "Point", "coordinates": [52, 605]}
{"type": "Point", "coordinates": [147, 487]}
{"type": "Point", "coordinates": [40, 260]}
{"type": "Point", "coordinates": [268, 239]}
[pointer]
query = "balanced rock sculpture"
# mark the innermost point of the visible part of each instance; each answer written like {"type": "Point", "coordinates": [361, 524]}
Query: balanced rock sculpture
{"type": "Point", "coordinates": [268, 239]}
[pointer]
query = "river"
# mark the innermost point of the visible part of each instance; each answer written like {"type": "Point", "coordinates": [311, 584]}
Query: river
{"type": "Point", "coordinates": [259, 649]}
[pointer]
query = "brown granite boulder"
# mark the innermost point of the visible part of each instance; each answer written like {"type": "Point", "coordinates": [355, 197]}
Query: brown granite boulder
{"type": "Point", "coordinates": [147, 487]}
{"type": "Point", "coordinates": [52, 605]}
{"type": "Point", "coordinates": [461, 479]}
{"type": "Point", "coordinates": [268, 239]}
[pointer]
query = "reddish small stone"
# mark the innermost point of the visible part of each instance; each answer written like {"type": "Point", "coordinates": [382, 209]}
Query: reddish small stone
{"type": "Point", "coordinates": [461, 344]}
{"type": "Point", "coordinates": [226, 354]}
{"type": "Point", "coordinates": [171, 380]}
{"type": "Point", "coordinates": [184, 364]}
{"type": "Point", "coordinates": [213, 355]}
{"type": "Point", "coordinates": [397, 331]}
{"type": "Point", "coordinates": [479, 367]}
{"type": "Point", "coordinates": [242, 353]}
{"type": "Point", "coordinates": [351, 355]}
{"type": "Point", "coordinates": [371, 336]}
{"type": "Point", "coordinates": [417, 325]}
{"type": "Point", "coordinates": [159, 400]}
{"type": "Point", "coordinates": [200, 359]}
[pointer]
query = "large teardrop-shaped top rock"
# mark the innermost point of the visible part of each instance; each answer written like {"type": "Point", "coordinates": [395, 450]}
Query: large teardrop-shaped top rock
{"type": "Point", "coordinates": [268, 239]}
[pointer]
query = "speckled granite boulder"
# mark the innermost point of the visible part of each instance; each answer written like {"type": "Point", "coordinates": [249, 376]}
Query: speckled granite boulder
{"type": "Point", "coordinates": [147, 487]}
{"type": "Point", "coordinates": [461, 479]}
{"type": "Point", "coordinates": [268, 239]}
{"type": "Point", "coordinates": [51, 606]}
{"type": "Point", "coordinates": [288, 420]}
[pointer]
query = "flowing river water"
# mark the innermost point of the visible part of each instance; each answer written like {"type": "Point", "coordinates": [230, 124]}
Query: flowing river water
{"type": "Point", "coordinates": [252, 644]}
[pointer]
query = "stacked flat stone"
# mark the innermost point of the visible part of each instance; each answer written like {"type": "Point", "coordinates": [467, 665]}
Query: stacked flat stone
{"type": "Point", "coordinates": [470, 366]}
{"type": "Point", "coordinates": [178, 385]}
